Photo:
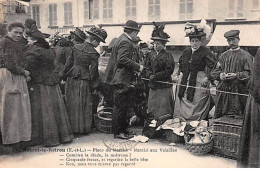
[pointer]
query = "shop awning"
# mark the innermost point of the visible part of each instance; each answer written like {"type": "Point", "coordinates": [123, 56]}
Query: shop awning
{"type": "Point", "coordinates": [176, 32]}
{"type": "Point", "coordinates": [249, 34]}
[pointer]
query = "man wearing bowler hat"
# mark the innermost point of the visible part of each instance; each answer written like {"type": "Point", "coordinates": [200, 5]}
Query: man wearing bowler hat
{"type": "Point", "coordinates": [120, 73]}
{"type": "Point", "coordinates": [233, 72]}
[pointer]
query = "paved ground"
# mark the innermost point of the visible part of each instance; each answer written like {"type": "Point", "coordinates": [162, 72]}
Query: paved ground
{"type": "Point", "coordinates": [88, 149]}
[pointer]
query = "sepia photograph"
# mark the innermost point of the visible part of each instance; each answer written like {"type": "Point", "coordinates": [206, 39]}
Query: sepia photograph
{"type": "Point", "coordinates": [129, 84]}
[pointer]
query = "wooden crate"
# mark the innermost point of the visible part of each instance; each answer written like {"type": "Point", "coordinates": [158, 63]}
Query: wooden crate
{"type": "Point", "coordinates": [226, 135]}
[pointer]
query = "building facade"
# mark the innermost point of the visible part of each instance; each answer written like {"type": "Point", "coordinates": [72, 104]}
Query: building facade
{"type": "Point", "coordinates": [64, 15]}
{"type": "Point", "coordinates": [13, 11]}
{"type": "Point", "coordinates": [224, 10]}
{"type": "Point", "coordinates": [77, 13]}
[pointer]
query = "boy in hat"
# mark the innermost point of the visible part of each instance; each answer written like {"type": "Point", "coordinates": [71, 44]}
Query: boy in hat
{"type": "Point", "coordinates": [233, 70]}
{"type": "Point", "coordinates": [145, 55]}
{"type": "Point", "coordinates": [144, 51]}
{"type": "Point", "coordinates": [120, 74]}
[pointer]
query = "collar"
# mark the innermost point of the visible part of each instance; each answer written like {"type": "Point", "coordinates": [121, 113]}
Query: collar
{"type": "Point", "coordinates": [128, 36]}
{"type": "Point", "coordinates": [7, 37]}
{"type": "Point", "coordinates": [145, 55]}
{"type": "Point", "coordinates": [88, 42]}
{"type": "Point", "coordinates": [157, 53]}
{"type": "Point", "coordinates": [194, 50]}
{"type": "Point", "coordinates": [238, 48]}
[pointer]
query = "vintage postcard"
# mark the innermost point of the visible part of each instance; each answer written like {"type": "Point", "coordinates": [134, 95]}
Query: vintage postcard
{"type": "Point", "coordinates": [129, 83]}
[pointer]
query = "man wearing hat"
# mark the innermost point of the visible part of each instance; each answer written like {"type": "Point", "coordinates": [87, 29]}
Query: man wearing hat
{"type": "Point", "coordinates": [233, 72]}
{"type": "Point", "coordinates": [81, 70]}
{"type": "Point", "coordinates": [120, 73]}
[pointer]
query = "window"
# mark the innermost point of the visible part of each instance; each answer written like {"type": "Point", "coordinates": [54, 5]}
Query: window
{"type": "Point", "coordinates": [91, 10]}
{"type": "Point", "coordinates": [28, 10]}
{"type": "Point", "coordinates": [12, 6]}
{"type": "Point", "coordinates": [130, 9]}
{"type": "Point", "coordinates": [186, 9]}
{"type": "Point", "coordinates": [19, 8]}
{"type": "Point", "coordinates": [235, 8]}
{"type": "Point", "coordinates": [68, 13]}
{"type": "Point", "coordinates": [53, 14]}
{"type": "Point", "coordinates": [36, 14]}
{"type": "Point", "coordinates": [107, 9]}
{"type": "Point", "coordinates": [255, 5]}
{"type": "Point", "coordinates": [154, 8]}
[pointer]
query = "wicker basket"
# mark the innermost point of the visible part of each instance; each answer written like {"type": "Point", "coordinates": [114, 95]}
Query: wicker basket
{"type": "Point", "coordinates": [172, 137]}
{"type": "Point", "coordinates": [198, 149]}
{"type": "Point", "coordinates": [103, 120]}
{"type": "Point", "coordinates": [226, 135]}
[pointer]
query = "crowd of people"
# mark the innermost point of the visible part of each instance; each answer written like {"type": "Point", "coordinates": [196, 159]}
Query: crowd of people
{"type": "Point", "coordinates": [48, 89]}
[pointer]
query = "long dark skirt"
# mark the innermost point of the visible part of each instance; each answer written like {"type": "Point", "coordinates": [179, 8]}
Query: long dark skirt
{"type": "Point", "coordinates": [161, 102]}
{"type": "Point", "coordinates": [249, 153]}
{"type": "Point", "coordinates": [199, 108]}
{"type": "Point", "coordinates": [50, 122]}
{"type": "Point", "coordinates": [79, 105]}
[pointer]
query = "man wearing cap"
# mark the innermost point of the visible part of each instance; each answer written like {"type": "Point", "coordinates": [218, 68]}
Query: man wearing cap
{"type": "Point", "coordinates": [233, 72]}
{"type": "Point", "coordinates": [120, 74]}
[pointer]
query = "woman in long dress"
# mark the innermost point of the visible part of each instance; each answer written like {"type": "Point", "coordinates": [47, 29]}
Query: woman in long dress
{"type": "Point", "coordinates": [15, 111]}
{"type": "Point", "coordinates": [50, 122]}
{"type": "Point", "coordinates": [195, 66]}
{"type": "Point", "coordinates": [81, 70]}
{"type": "Point", "coordinates": [249, 152]}
{"type": "Point", "coordinates": [160, 68]}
